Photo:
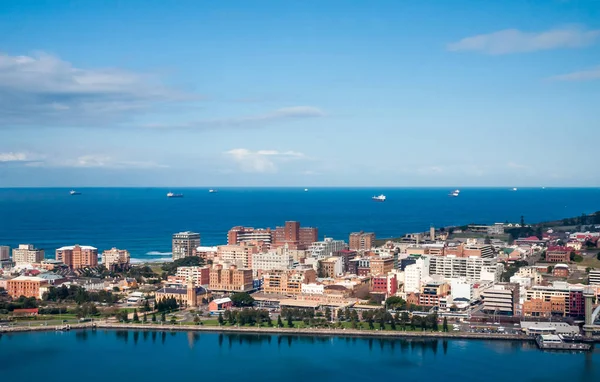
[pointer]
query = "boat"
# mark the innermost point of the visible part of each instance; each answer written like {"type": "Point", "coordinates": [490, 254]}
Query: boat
{"type": "Point", "coordinates": [514, 189]}
{"type": "Point", "coordinates": [454, 193]}
{"type": "Point", "coordinates": [212, 191]}
{"type": "Point", "coordinates": [379, 198]}
{"type": "Point", "coordinates": [73, 192]}
{"type": "Point", "coordinates": [306, 190]}
{"type": "Point", "coordinates": [172, 195]}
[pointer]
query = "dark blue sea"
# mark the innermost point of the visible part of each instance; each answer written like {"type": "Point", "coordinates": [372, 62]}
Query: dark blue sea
{"type": "Point", "coordinates": [178, 356]}
{"type": "Point", "coordinates": [142, 220]}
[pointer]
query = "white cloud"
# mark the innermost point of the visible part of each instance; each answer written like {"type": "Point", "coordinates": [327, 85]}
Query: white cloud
{"type": "Point", "coordinates": [93, 161]}
{"type": "Point", "coordinates": [42, 89]}
{"type": "Point", "coordinates": [515, 41]}
{"type": "Point", "coordinates": [278, 115]}
{"type": "Point", "coordinates": [261, 161]}
{"type": "Point", "coordinates": [584, 75]}
{"type": "Point", "coordinates": [13, 157]}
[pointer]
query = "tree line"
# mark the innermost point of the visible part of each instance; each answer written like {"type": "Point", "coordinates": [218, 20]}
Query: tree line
{"type": "Point", "coordinates": [79, 295]}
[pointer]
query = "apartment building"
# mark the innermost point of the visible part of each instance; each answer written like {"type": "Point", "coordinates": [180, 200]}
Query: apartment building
{"type": "Point", "coordinates": [295, 236]}
{"type": "Point", "coordinates": [387, 284]}
{"type": "Point", "coordinates": [115, 258]}
{"type": "Point", "coordinates": [238, 235]}
{"type": "Point", "coordinates": [360, 266]}
{"type": "Point", "coordinates": [27, 254]}
{"type": "Point", "coordinates": [230, 279]}
{"type": "Point", "coordinates": [273, 260]}
{"type": "Point", "coordinates": [362, 241]}
{"type": "Point", "coordinates": [184, 244]}
{"type": "Point", "coordinates": [240, 255]}
{"type": "Point", "coordinates": [78, 256]}
{"type": "Point", "coordinates": [432, 292]}
{"type": "Point", "coordinates": [474, 268]}
{"type": "Point", "coordinates": [416, 274]}
{"type": "Point", "coordinates": [326, 248]}
{"type": "Point", "coordinates": [288, 282]}
{"type": "Point", "coordinates": [501, 299]}
{"type": "Point", "coordinates": [564, 299]}
{"type": "Point", "coordinates": [199, 276]}
{"type": "Point", "coordinates": [331, 267]}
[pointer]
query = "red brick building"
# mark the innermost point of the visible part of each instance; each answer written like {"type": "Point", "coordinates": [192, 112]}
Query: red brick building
{"type": "Point", "coordinates": [558, 254]}
{"type": "Point", "coordinates": [560, 270]}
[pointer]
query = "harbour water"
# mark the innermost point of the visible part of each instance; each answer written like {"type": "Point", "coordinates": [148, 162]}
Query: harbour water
{"type": "Point", "coordinates": [145, 355]}
{"type": "Point", "coordinates": [142, 220]}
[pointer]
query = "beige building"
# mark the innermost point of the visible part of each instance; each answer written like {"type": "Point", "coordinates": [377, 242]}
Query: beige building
{"type": "Point", "coordinates": [190, 296]}
{"type": "Point", "coordinates": [27, 254]}
{"type": "Point", "coordinates": [288, 282]}
{"type": "Point", "coordinates": [238, 254]}
{"type": "Point", "coordinates": [362, 241]}
{"type": "Point", "coordinates": [381, 265]}
{"type": "Point", "coordinates": [230, 279]}
{"type": "Point", "coordinates": [184, 244]}
{"type": "Point", "coordinates": [115, 258]}
{"type": "Point", "coordinates": [78, 256]}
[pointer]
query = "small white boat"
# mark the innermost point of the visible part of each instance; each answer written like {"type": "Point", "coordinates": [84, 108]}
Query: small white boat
{"type": "Point", "coordinates": [73, 192]}
{"type": "Point", "coordinates": [306, 190]}
{"type": "Point", "coordinates": [514, 189]}
{"type": "Point", "coordinates": [454, 193]}
{"type": "Point", "coordinates": [379, 198]}
{"type": "Point", "coordinates": [212, 191]}
{"type": "Point", "coordinates": [172, 195]}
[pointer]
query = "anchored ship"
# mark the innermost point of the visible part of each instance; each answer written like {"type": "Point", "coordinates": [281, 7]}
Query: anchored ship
{"type": "Point", "coordinates": [379, 198]}
{"type": "Point", "coordinates": [73, 192]}
{"type": "Point", "coordinates": [172, 195]}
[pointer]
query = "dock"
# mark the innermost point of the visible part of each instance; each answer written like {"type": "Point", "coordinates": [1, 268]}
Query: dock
{"type": "Point", "coordinates": [555, 342]}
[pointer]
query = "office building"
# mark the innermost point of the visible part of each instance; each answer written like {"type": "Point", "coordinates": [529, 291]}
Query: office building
{"type": "Point", "coordinates": [381, 265]}
{"type": "Point", "coordinates": [295, 236]}
{"type": "Point", "coordinates": [416, 274]}
{"type": "Point", "coordinates": [558, 254]}
{"type": "Point", "coordinates": [279, 259]}
{"type": "Point", "coordinates": [115, 259]}
{"type": "Point", "coordinates": [238, 235]}
{"type": "Point", "coordinates": [594, 277]}
{"type": "Point", "coordinates": [230, 279]}
{"type": "Point", "coordinates": [200, 276]}
{"type": "Point", "coordinates": [27, 254]}
{"type": "Point", "coordinates": [321, 249]}
{"type": "Point", "coordinates": [501, 299]}
{"type": "Point", "coordinates": [432, 292]}
{"type": "Point", "coordinates": [362, 241]}
{"type": "Point", "coordinates": [184, 244]}
{"type": "Point", "coordinates": [78, 256]}
{"type": "Point", "coordinates": [331, 267]}
{"type": "Point", "coordinates": [240, 255]}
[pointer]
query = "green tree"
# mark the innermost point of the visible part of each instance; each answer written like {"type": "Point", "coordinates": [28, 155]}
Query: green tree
{"type": "Point", "coordinates": [290, 322]}
{"type": "Point", "coordinates": [395, 302]}
{"type": "Point", "coordinates": [163, 317]}
{"type": "Point", "coordinates": [221, 321]}
{"type": "Point", "coordinates": [404, 319]}
{"type": "Point", "coordinates": [598, 256]}
{"type": "Point", "coordinates": [196, 319]}
{"type": "Point", "coordinates": [144, 319]}
{"type": "Point", "coordinates": [173, 320]}
{"type": "Point", "coordinates": [328, 314]}
{"type": "Point", "coordinates": [445, 325]}
{"type": "Point", "coordinates": [153, 317]}
{"type": "Point", "coordinates": [136, 318]}
{"type": "Point", "coordinates": [242, 299]}
{"type": "Point", "coordinates": [371, 326]}
{"type": "Point", "coordinates": [279, 322]}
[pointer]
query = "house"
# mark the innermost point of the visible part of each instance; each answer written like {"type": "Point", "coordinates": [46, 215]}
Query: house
{"type": "Point", "coordinates": [220, 305]}
{"type": "Point", "coordinates": [25, 312]}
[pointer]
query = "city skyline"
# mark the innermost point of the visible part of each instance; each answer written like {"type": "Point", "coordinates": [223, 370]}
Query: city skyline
{"type": "Point", "coordinates": [327, 94]}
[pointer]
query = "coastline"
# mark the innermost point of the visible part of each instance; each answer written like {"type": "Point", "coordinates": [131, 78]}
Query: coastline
{"type": "Point", "coordinates": [281, 331]}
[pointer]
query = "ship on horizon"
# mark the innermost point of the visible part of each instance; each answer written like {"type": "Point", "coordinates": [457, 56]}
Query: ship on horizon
{"type": "Point", "coordinates": [212, 191]}
{"type": "Point", "coordinates": [173, 195]}
{"type": "Point", "coordinates": [454, 193]}
{"type": "Point", "coordinates": [379, 198]}
{"type": "Point", "coordinates": [73, 192]}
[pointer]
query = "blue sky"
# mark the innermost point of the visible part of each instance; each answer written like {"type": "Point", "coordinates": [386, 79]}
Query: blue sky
{"type": "Point", "coordinates": [299, 93]}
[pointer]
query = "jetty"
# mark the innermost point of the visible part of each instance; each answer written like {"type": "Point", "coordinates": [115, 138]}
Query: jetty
{"type": "Point", "coordinates": [556, 342]}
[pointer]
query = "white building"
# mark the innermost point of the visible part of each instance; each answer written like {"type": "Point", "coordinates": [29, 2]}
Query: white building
{"type": "Point", "coordinates": [272, 260]}
{"type": "Point", "coordinates": [322, 249]}
{"type": "Point", "coordinates": [313, 288]}
{"type": "Point", "coordinates": [115, 258]}
{"type": "Point", "coordinates": [27, 254]}
{"type": "Point", "coordinates": [594, 277]}
{"type": "Point", "coordinates": [4, 252]}
{"type": "Point", "coordinates": [198, 275]}
{"type": "Point", "coordinates": [472, 268]}
{"type": "Point", "coordinates": [415, 274]}
{"type": "Point", "coordinates": [461, 288]}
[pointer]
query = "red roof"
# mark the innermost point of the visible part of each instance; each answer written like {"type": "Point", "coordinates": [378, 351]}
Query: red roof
{"type": "Point", "coordinates": [559, 248]}
{"type": "Point", "coordinates": [32, 310]}
{"type": "Point", "coordinates": [531, 238]}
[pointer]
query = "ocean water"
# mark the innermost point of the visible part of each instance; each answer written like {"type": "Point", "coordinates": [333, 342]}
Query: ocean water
{"type": "Point", "coordinates": [93, 356]}
{"type": "Point", "coordinates": [142, 220]}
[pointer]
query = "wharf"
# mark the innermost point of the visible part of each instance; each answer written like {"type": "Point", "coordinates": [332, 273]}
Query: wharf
{"type": "Point", "coordinates": [554, 342]}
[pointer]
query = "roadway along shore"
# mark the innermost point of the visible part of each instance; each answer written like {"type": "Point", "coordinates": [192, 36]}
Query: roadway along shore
{"type": "Point", "coordinates": [275, 330]}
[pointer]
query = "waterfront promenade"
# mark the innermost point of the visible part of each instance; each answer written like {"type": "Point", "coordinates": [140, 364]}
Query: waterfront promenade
{"type": "Point", "coordinates": [276, 330]}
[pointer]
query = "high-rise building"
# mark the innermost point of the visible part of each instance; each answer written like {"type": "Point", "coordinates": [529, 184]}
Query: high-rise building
{"type": "Point", "coordinates": [185, 244]}
{"type": "Point", "coordinates": [472, 268]}
{"type": "Point", "coordinates": [278, 259]}
{"type": "Point", "coordinates": [326, 248]}
{"type": "Point", "coordinates": [362, 241]}
{"type": "Point", "coordinates": [239, 255]}
{"type": "Point", "coordinates": [27, 254]}
{"type": "Point", "coordinates": [294, 236]}
{"type": "Point", "coordinates": [115, 258]}
{"type": "Point", "coordinates": [415, 274]}
{"type": "Point", "coordinates": [4, 252]}
{"type": "Point", "coordinates": [78, 256]}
